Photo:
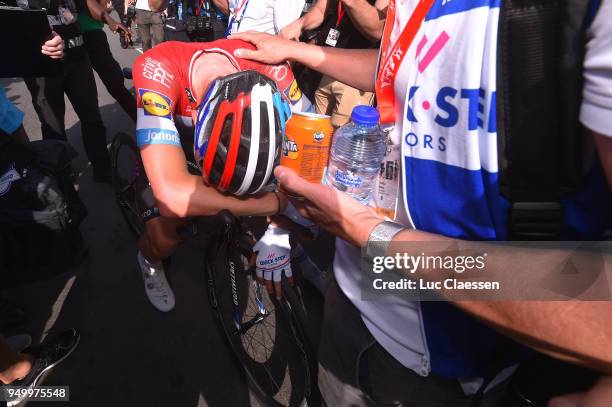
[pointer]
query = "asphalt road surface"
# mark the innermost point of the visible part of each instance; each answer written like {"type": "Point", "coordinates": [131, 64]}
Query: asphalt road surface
{"type": "Point", "coordinates": [130, 354]}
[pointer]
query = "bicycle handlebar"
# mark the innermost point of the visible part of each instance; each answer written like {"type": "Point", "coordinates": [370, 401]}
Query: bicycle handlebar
{"type": "Point", "coordinates": [211, 225]}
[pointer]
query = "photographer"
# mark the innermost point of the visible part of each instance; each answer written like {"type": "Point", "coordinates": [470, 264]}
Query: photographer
{"type": "Point", "coordinates": [76, 79]}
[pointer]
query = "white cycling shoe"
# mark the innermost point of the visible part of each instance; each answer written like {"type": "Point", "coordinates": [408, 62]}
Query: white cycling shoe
{"type": "Point", "coordinates": [156, 286]}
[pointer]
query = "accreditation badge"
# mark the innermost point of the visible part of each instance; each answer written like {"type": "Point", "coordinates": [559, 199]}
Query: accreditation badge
{"type": "Point", "coordinates": [387, 184]}
{"type": "Point", "coordinates": [332, 37]}
{"type": "Point", "coordinates": [234, 29]}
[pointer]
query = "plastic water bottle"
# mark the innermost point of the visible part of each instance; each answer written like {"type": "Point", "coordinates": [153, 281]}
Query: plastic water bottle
{"type": "Point", "coordinates": [357, 150]}
{"type": "Point", "coordinates": [180, 10]}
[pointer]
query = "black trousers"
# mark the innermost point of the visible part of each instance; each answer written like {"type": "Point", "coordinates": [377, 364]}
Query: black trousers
{"type": "Point", "coordinates": [78, 82]}
{"type": "Point", "coordinates": [356, 371]}
{"type": "Point", "coordinates": [109, 70]}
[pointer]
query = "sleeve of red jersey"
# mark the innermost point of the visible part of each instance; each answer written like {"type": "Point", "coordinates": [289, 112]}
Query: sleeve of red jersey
{"type": "Point", "coordinates": [157, 93]}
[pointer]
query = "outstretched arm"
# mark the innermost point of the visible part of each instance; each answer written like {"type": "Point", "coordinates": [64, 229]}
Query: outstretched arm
{"type": "Point", "coordinates": [356, 68]}
{"type": "Point", "coordinates": [541, 325]}
{"type": "Point", "coordinates": [99, 13]}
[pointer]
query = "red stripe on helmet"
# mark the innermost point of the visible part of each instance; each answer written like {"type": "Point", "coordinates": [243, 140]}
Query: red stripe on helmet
{"type": "Point", "coordinates": [237, 106]}
{"type": "Point", "coordinates": [213, 142]}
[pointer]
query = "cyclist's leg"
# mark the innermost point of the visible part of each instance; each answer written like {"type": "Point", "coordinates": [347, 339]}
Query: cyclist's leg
{"type": "Point", "coordinates": [158, 242]}
{"type": "Point", "coordinates": [160, 239]}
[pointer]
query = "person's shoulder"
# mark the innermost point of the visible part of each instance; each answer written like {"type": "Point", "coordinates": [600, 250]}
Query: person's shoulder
{"type": "Point", "coordinates": [158, 68]}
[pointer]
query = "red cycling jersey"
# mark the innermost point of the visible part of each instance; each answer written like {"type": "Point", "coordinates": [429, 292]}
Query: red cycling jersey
{"type": "Point", "coordinates": [162, 78]}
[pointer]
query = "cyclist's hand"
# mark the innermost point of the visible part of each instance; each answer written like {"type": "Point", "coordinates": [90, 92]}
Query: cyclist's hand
{"type": "Point", "coordinates": [273, 258]}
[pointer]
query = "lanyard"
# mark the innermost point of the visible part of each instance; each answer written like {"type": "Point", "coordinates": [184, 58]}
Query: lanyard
{"type": "Point", "coordinates": [341, 12]}
{"type": "Point", "coordinates": [242, 6]}
{"type": "Point", "coordinates": [391, 59]}
{"type": "Point", "coordinates": [203, 4]}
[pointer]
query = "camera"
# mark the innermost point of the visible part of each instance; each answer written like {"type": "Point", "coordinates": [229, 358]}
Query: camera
{"type": "Point", "coordinates": [199, 28]}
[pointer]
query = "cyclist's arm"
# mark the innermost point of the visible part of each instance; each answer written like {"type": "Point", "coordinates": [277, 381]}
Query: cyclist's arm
{"type": "Point", "coordinates": [180, 194]}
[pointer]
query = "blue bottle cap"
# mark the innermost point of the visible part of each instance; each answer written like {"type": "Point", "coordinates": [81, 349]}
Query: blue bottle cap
{"type": "Point", "coordinates": [366, 115]}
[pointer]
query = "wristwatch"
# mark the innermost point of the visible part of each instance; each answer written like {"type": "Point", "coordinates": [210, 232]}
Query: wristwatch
{"type": "Point", "coordinates": [379, 240]}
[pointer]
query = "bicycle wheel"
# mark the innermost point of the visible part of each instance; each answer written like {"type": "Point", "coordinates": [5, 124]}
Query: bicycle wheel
{"type": "Point", "coordinates": [267, 336]}
{"type": "Point", "coordinates": [126, 166]}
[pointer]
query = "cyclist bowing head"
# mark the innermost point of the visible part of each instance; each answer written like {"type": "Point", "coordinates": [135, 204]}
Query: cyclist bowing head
{"type": "Point", "coordinates": [171, 81]}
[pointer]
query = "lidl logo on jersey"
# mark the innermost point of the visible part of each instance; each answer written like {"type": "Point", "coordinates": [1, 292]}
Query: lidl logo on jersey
{"type": "Point", "coordinates": [294, 93]}
{"type": "Point", "coordinates": [155, 104]}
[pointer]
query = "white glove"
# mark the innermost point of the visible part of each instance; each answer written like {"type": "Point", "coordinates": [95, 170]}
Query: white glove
{"type": "Point", "coordinates": [273, 258]}
{"type": "Point", "coordinates": [292, 213]}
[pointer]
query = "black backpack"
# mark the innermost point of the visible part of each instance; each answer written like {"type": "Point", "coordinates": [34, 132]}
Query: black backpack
{"type": "Point", "coordinates": [40, 211]}
{"type": "Point", "coordinates": [541, 49]}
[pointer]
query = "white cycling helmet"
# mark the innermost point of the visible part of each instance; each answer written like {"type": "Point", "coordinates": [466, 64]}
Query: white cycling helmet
{"type": "Point", "coordinates": [239, 131]}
